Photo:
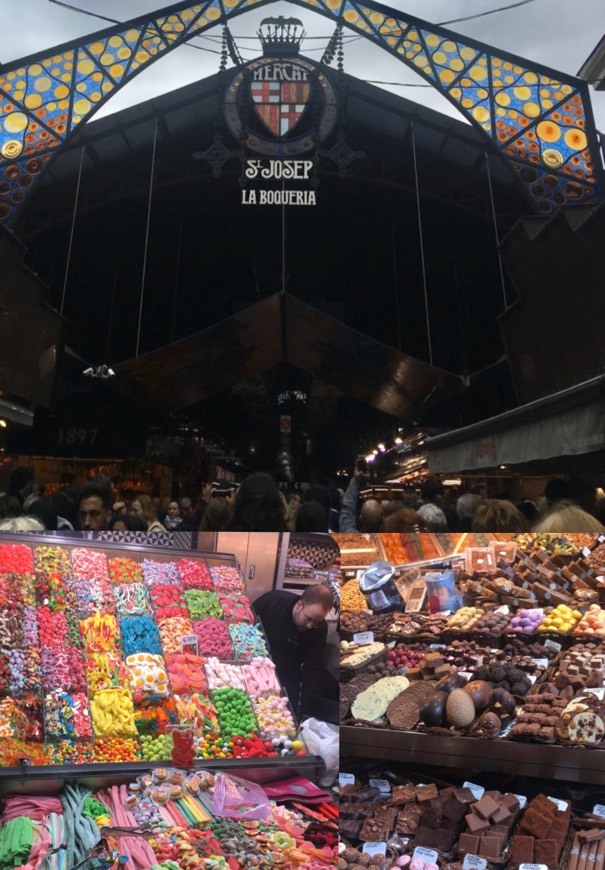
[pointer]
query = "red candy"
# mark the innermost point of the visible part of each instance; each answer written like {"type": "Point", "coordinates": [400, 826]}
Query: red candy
{"type": "Point", "coordinates": [186, 674]}
{"type": "Point", "coordinates": [16, 559]}
{"type": "Point", "coordinates": [194, 575]}
{"type": "Point", "coordinates": [167, 600]}
{"type": "Point", "coordinates": [213, 637]}
{"type": "Point", "coordinates": [52, 627]}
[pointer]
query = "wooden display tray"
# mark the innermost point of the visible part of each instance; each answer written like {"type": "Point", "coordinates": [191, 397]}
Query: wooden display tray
{"type": "Point", "coordinates": [569, 764]}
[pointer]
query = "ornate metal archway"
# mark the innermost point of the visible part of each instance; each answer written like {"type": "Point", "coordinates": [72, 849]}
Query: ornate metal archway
{"type": "Point", "coordinates": [539, 120]}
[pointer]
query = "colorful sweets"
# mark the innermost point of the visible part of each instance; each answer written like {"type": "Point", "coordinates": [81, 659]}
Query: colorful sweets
{"type": "Point", "coordinates": [186, 674]}
{"type": "Point", "coordinates": [261, 677]}
{"type": "Point", "coordinates": [168, 601]}
{"type": "Point", "coordinates": [113, 713]}
{"type": "Point", "coordinates": [235, 607]}
{"type": "Point", "coordinates": [132, 599]}
{"type": "Point", "coordinates": [16, 559]}
{"type": "Point", "coordinates": [227, 577]}
{"type": "Point", "coordinates": [104, 671]}
{"type": "Point", "coordinates": [172, 631]}
{"type": "Point", "coordinates": [234, 711]}
{"type": "Point", "coordinates": [147, 673]}
{"type": "Point", "coordinates": [100, 633]}
{"type": "Point", "coordinates": [194, 575]}
{"type": "Point", "coordinates": [159, 572]}
{"type": "Point", "coordinates": [202, 604]}
{"type": "Point", "coordinates": [66, 715]}
{"type": "Point", "coordinates": [274, 717]}
{"type": "Point", "coordinates": [248, 641]}
{"type": "Point", "coordinates": [124, 570]}
{"type": "Point", "coordinates": [140, 634]}
{"type": "Point", "coordinates": [213, 638]}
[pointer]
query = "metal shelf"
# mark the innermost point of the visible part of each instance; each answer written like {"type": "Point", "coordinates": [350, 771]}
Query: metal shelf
{"type": "Point", "coordinates": [569, 764]}
{"type": "Point", "coordinates": [50, 779]}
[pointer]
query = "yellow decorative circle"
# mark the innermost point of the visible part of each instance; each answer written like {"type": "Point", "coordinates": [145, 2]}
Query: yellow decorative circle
{"type": "Point", "coordinates": [351, 16]}
{"type": "Point", "coordinates": [509, 79]}
{"type": "Point", "coordinates": [16, 122]}
{"type": "Point", "coordinates": [19, 95]}
{"type": "Point", "coordinates": [56, 72]}
{"type": "Point", "coordinates": [66, 77]}
{"type": "Point", "coordinates": [552, 158]}
{"type": "Point", "coordinates": [133, 35]}
{"type": "Point", "coordinates": [85, 67]}
{"type": "Point", "coordinates": [466, 103]}
{"type": "Point", "coordinates": [548, 131]}
{"type": "Point", "coordinates": [106, 87]}
{"type": "Point", "coordinates": [115, 41]}
{"type": "Point", "coordinates": [575, 139]}
{"type": "Point", "coordinates": [456, 93]}
{"type": "Point", "coordinates": [503, 99]}
{"type": "Point", "coordinates": [530, 78]}
{"type": "Point", "coordinates": [61, 91]}
{"type": "Point", "coordinates": [482, 94]}
{"type": "Point", "coordinates": [51, 106]}
{"type": "Point", "coordinates": [96, 96]}
{"type": "Point", "coordinates": [43, 84]}
{"type": "Point", "coordinates": [107, 59]}
{"type": "Point", "coordinates": [558, 95]}
{"type": "Point", "coordinates": [480, 114]}
{"type": "Point", "coordinates": [11, 149]}
{"type": "Point", "coordinates": [446, 76]}
{"type": "Point", "coordinates": [501, 113]}
{"type": "Point", "coordinates": [391, 40]}
{"type": "Point", "coordinates": [81, 87]}
{"type": "Point", "coordinates": [518, 70]}
{"type": "Point", "coordinates": [117, 70]}
{"type": "Point", "coordinates": [420, 60]}
{"type": "Point", "coordinates": [142, 56]}
{"type": "Point", "coordinates": [213, 14]}
{"type": "Point", "coordinates": [478, 73]}
{"type": "Point", "coordinates": [432, 40]}
{"type": "Point", "coordinates": [522, 93]}
{"type": "Point", "coordinates": [567, 89]}
{"type": "Point", "coordinates": [33, 101]}
{"type": "Point", "coordinates": [456, 64]}
{"type": "Point", "coordinates": [440, 58]}
{"type": "Point", "coordinates": [531, 110]}
{"type": "Point", "coordinates": [467, 53]}
{"type": "Point", "coordinates": [35, 69]}
{"type": "Point", "coordinates": [124, 53]}
{"type": "Point", "coordinates": [96, 48]}
{"type": "Point", "coordinates": [64, 104]}
{"type": "Point", "coordinates": [449, 46]}
{"type": "Point", "coordinates": [547, 104]}
{"type": "Point", "coordinates": [82, 106]}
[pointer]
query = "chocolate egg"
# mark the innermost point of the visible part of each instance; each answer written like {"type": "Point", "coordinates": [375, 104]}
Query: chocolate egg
{"type": "Point", "coordinates": [480, 692]}
{"type": "Point", "coordinates": [450, 682]}
{"type": "Point", "coordinates": [432, 711]}
{"type": "Point", "coordinates": [459, 709]}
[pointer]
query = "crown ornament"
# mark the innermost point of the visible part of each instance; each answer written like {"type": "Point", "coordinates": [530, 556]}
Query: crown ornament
{"type": "Point", "coordinates": [281, 37]}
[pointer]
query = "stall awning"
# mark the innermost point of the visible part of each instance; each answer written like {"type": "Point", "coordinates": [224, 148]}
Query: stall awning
{"type": "Point", "coordinates": [569, 423]}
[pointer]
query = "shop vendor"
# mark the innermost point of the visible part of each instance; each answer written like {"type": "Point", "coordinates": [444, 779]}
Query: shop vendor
{"type": "Point", "coordinates": [296, 629]}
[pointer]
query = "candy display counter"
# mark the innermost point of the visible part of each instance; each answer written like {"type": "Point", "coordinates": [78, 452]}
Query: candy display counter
{"type": "Point", "coordinates": [106, 648]}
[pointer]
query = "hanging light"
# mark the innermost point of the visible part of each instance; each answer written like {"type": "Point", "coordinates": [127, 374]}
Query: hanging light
{"type": "Point", "coordinates": [398, 441]}
{"type": "Point", "coordinates": [381, 447]}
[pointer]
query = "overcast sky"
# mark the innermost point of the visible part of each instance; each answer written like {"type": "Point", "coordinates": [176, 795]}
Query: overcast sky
{"type": "Point", "coordinates": [558, 33]}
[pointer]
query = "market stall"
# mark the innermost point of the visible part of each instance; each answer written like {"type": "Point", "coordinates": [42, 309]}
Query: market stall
{"type": "Point", "coordinates": [106, 648]}
{"type": "Point", "coordinates": [490, 661]}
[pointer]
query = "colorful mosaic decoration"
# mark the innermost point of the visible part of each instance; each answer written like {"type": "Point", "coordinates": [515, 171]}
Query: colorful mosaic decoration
{"type": "Point", "coordinates": [540, 121]}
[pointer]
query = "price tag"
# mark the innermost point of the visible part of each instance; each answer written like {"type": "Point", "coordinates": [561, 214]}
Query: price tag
{"type": "Point", "coordinates": [374, 849]}
{"type": "Point", "coordinates": [473, 862]}
{"type": "Point", "coordinates": [428, 855]}
{"type": "Point", "coordinates": [586, 551]}
{"type": "Point", "coordinates": [522, 801]}
{"type": "Point", "coordinates": [437, 646]}
{"type": "Point", "coordinates": [383, 785]}
{"type": "Point", "coordinates": [562, 805]}
{"type": "Point", "coordinates": [598, 692]}
{"type": "Point", "coordinates": [599, 810]}
{"type": "Point", "coordinates": [552, 644]}
{"type": "Point", "coordinates": [601, 538]}
{"type": "Point", "coordinates": [363, 637]}
{"type": "Point", "coordinates": [190, 644]}
{"type": "Point", "coordinates": [533, 867]}
{"type": "Point", "coordinates": [504, 609]}
{"type": "Point", "coordinates": [541, 663]}
{"type": "Point", "coordinates": [477, 790]}
{"type": "Point", "coordinates": [345, 779]}
{"type": "Point", "coordinates": [341, 848]}
{"type": "Point", "coordinates": [466, 674]}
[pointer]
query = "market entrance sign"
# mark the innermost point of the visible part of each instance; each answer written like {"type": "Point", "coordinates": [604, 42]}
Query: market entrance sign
{"type": "Point", "coordinates": [539, 120]}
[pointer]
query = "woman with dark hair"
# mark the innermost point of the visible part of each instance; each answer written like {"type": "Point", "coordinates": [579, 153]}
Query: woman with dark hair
{"type": "Point", "coordinates": [127, 523]}
{"type": "Point", "coordinates": [258, 506]}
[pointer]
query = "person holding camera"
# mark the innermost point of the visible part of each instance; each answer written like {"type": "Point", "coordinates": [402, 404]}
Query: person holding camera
{"type": "Point", "coordinates": [370, 515]}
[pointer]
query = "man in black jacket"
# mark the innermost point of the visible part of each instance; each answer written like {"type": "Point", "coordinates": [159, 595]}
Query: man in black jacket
{"type": "Point", "coordinates": [296, 629]}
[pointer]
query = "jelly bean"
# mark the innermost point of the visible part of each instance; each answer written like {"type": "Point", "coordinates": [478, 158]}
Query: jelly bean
{"type": "Point", "coordinates": [213, 638]}
{"type": "Point", "coordinates": [248, 641]}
